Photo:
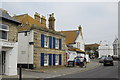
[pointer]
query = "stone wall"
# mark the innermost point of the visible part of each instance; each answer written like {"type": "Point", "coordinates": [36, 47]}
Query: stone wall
{"type": "Point", "coordinates": [12, 33]}
{"type": "Point", "coordinates": [38, 49]}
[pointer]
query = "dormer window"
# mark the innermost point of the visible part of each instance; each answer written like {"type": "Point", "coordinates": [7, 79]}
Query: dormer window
{"type": "Point", "coordinates": [4, 32]}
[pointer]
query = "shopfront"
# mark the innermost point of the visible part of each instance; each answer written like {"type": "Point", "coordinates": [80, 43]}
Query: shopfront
{"type": "Point", "coordinates": [8, 58]}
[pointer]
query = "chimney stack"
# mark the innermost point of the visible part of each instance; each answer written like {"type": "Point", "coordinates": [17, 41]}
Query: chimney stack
{"type": "Point", "coordinates": [51, 22]}
{"type": "Point", "coordinates": [80, 29]}
{"type": "Point", "coordinates": [43, 21]}
{"type": "Point", "coordinates": [37, 16]}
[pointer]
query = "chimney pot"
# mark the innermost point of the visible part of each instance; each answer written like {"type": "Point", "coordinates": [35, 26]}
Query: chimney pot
{"type": "Point", "coordinates": [37, 16]}
{"type": "Point", "coordinates": [51, 22]}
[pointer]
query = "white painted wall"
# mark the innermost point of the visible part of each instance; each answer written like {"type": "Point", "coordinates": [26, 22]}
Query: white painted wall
{"type": "Point", "coordinates": [80, 40]}
{"type": "Point", "coordinates": [116, 47]}
{"type": "Point", "coordinates": [105, 50]}
{"type": "Point", "coordinates": [11, 60]}
{"type": "Point", "coordinates": [25, 50]}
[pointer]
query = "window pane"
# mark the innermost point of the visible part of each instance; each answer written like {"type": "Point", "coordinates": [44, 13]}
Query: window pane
{"type": "Point", "coordinates": [57, 43]}
{"type": "Point", "coordinates": [46, 43]}
{"type": "Point", "coordinates": [4, 35]}
{"type": "Point", "coordinates": [57, 58]}
{"type": "Point", "coordinates": [45, 58]}
{"type": "Point", "coordinates": [3, 26]}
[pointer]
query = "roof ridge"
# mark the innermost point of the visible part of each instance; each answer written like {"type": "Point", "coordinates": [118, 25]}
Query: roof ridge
{"type": "Point", "coordinates": [68, 30]}
{"type": "Point", "coordinates": [20, 15]}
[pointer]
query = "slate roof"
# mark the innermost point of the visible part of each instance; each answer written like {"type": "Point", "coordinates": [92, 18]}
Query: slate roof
{"type": "Point", "coordinates": [5, 15]}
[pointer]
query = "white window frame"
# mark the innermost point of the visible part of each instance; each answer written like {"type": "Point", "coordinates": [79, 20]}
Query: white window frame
{"type": "Point", "coordinates": [57, 43]}
{"type": "Point", "coordinates": [57, 59]}
{"type": "Point", "coordinates": [46, 57]}
{"type": "Point", "coordinates": [46, 41]}
{"type": "Point", "coordinates": [78, 44]}
{"type": "Point", "coordinates": [6, 30]}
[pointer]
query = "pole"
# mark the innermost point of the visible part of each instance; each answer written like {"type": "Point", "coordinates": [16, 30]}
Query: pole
{"type": "Point", "coordinates": [20, 72]}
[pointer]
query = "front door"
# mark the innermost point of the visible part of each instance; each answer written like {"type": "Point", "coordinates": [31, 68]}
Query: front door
{"type": "Point", "coordinates": [2, 62]}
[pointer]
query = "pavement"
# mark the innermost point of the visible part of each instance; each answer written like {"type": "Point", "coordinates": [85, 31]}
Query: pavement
{"type": "Point", "coordinates": [54, 71]}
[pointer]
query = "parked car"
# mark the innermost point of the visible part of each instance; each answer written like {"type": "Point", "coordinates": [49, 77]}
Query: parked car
{"type": "Point", "coordinates": [70, 64]}
{"type": "Point", "coordinates": [101, 60]}
{"type": "Point", "coordinates": [108, 61]}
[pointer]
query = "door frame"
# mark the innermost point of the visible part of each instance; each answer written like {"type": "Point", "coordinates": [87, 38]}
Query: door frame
{"type": "Point", "coordinates": [3, 61]}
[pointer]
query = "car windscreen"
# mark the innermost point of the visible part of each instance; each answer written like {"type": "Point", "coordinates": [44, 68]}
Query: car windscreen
{"type": "Point", "coordinates": [103, 57]}
{"type": "Point", "coordinates": [109, 58]}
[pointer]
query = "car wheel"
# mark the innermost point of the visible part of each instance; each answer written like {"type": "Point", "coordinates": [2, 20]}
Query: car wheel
{"type": "Point", "coordinates": [104, 64]}
{"type": "Point", "coordinates": [112, 64]}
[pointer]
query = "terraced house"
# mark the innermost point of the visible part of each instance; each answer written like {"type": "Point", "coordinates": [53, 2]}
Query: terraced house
{"type": "Point", "coordinates": [8, 44]}
{"type": "Point", "coordinates": [39, 45]}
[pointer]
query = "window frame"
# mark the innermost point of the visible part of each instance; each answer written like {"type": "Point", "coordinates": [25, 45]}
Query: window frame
{"type": "Point", "coordinates": [46, 59]}
{"type": "Point", "coordinates": [78, 44]}
{"type": "Point", "coordinates": [57, 44]}
{"type": "Point", "coordinates": [46, 39]}
{"type": "Point", "coordinates": [6, 30]}
{"type": "Point", "coordinates": [57, 59]}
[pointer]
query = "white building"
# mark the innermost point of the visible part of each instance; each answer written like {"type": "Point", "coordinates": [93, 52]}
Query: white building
{"type": "Point", "coordinates": [8, 44]}
{"type": "Point", "coordinates": [116, 48]}
{"type": "Point", "coordinates": [74, 43]}
{"type": "Point", "coordinates": [105, 49]}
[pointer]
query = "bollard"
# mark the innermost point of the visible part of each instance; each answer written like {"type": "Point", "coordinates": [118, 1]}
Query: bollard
{"type": "Point", "coordinates": [20, 72]}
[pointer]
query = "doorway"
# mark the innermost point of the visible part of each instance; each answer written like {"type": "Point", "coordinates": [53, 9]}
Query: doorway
{"type": "Point", "coordinates": [2, 62]}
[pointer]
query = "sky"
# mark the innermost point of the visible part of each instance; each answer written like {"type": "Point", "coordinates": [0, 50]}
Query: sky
{"type": "Point", "coordinates": [99, 20]}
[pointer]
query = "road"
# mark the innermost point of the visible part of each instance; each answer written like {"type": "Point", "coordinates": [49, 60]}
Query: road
{"type": "Point", "coordinates": [98, 72]}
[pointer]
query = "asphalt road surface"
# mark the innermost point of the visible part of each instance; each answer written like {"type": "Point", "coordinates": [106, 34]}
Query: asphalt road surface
{"type": "Point", "coordinates": [98, 72]}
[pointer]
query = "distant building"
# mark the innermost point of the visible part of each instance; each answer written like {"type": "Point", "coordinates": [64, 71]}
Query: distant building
{"type": "Point", "coordinates": [8, 44]}
{"type": "Point", "coordinates": [116, 48]}
{"type": "Point", "coordinates": [105, 49]}
{"type": "Point", "coordinates": [38, 45]}
{"type": "Point", "coordinates": [74, 43]}
{"type": "Point", "coordinates": [92, 49]}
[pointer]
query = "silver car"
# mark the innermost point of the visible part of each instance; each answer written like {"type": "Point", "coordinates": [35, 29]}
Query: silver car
{"type": "Point", "coordinates": [101, 60]}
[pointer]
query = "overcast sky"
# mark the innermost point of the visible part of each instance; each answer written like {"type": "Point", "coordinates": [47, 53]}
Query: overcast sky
{"type": "Point", "coordinates": [99, 20]}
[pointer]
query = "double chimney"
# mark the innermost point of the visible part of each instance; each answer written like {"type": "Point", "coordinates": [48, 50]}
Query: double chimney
{"type": "Point", "coordinates": [42, 20]}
